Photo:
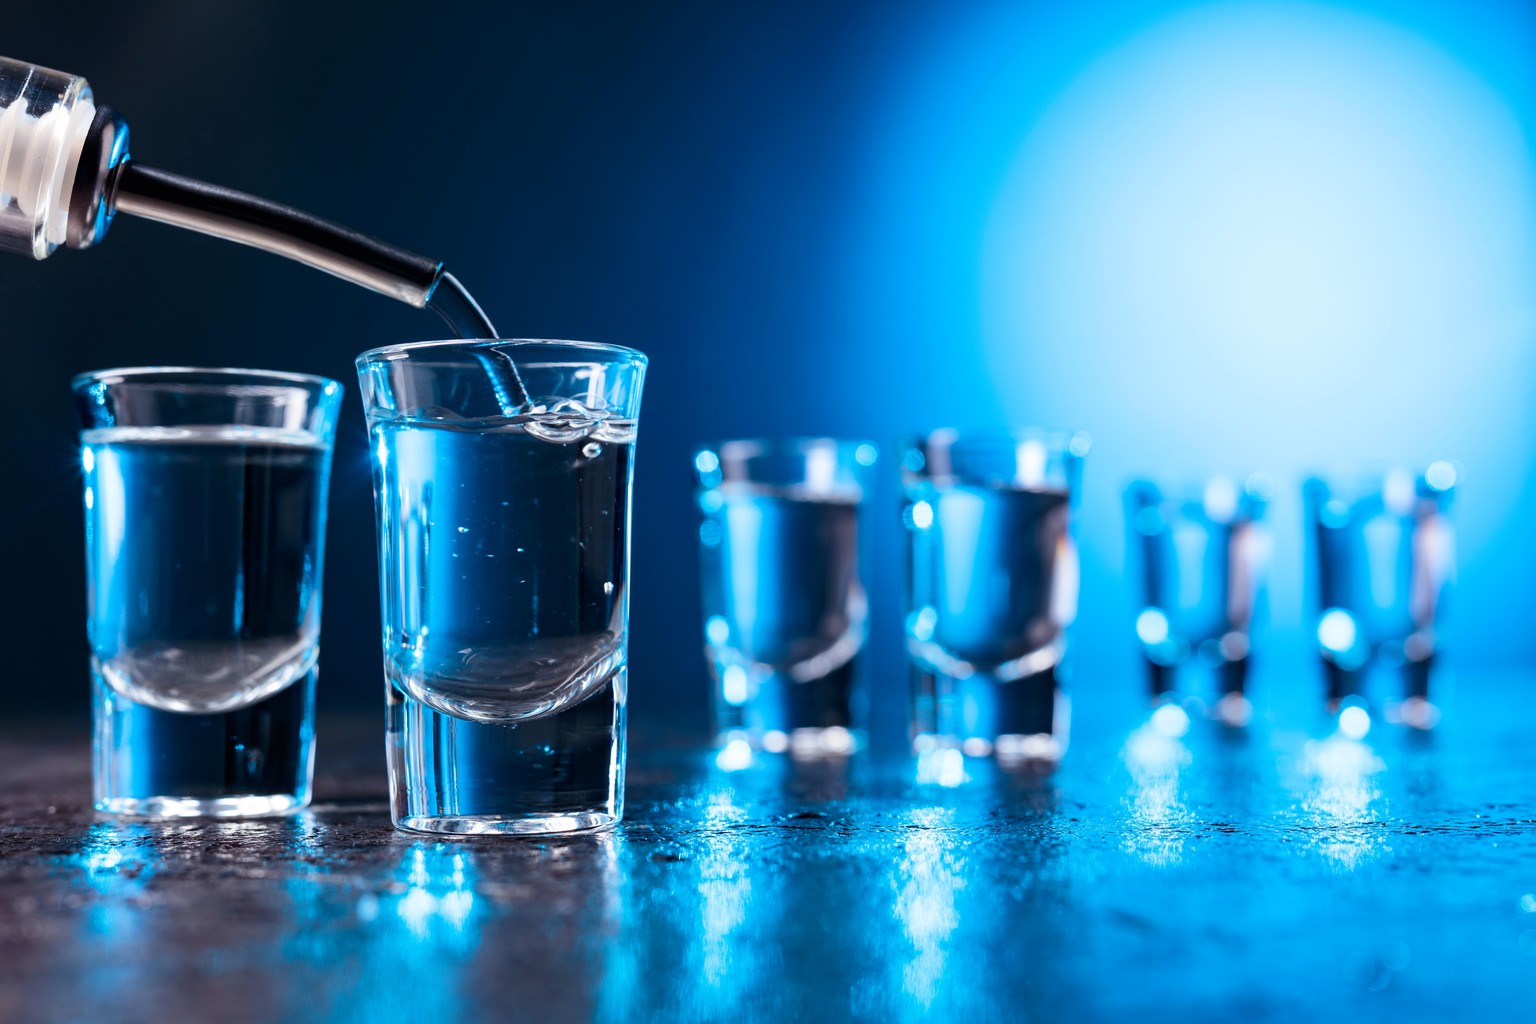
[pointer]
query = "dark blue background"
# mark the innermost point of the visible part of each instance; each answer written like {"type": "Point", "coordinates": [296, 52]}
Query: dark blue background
{"type": "Point", "coordinates": [1218, 237]}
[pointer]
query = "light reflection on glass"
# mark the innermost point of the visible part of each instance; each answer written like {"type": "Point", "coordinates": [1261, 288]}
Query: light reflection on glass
{"type": "Point", "coordinates": [1157, 818]}
{"type": "Point", "coordinates": [928, 881]}
{"type": "Point", "coordinates": [944, 766]}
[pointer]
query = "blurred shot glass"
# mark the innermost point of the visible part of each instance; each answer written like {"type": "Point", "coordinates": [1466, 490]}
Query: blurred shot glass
{"type": "Point", "coordinates": [1202, 557]}
{"type": "Point", "coordinates": [992, 585]}
{"type": "Point", "coordinates": [1383, 555]}
{"type": "Point", "coordinates": [785, 611]}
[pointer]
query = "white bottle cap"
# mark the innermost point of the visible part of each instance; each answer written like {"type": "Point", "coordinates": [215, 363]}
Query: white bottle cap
{"type": "Point", "coordinates": [44, 119]}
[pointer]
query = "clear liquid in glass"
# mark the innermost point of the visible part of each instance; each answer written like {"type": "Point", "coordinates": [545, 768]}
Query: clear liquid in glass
{"type": "Point", "coordinates": [785, 611]}
{"type": "Point", "coordinates": [204, 548]}
{"type": "Point", "coordinates": [504, 573]}
{"type": "Point", "coordinates": [993, 577]}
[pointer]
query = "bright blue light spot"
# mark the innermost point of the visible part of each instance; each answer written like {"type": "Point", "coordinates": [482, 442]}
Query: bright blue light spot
{"type": "Point", "coordinates": [922, 515]}
{"type": "Point", "coordinates": [1152, 627]}
{"type": "Point", "coordinates": [865, 454]}
{"type": "Point", "coordinates": [1440, 476]}
{"type": "Point", "coordinates": [734, 756]}
{"type": "Point", "coordinates": [733, 685]}
{"type": "Point", "coordinates": [706, 462]}
{"type": "Point", "coordinates": [1354, 722]}
{"type": "Point", "coordinates": [87, 459]}
{"type": "Point", "coordinates": [717, 630]}
{"type": "Point", "coordinates": [1170, 721]}
{"type": "Point", "coordinates": [1336, 631]}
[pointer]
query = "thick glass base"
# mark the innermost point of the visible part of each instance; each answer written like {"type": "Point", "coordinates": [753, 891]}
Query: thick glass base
{"type": "Point", "coordinates": [1022, 723]}
{"type": "Point", "coordinates": [256, 761]}
{"type": "Point", "coordinates": [812, 718]}
{"type": "Point", "coordinates": [803, 743]}
{"type": "Point", "coordinates": [556, 774]}
{"type": "Point", "coordinates": [533, 825]}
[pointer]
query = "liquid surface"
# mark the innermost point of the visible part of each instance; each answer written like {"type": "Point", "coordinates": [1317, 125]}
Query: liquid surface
{"type": "Point", "coordinates": [993, 577]}
{"type": "Point", "coordinates": [204, 549]}
{"type": "Point", "coordinates": [504, 559]}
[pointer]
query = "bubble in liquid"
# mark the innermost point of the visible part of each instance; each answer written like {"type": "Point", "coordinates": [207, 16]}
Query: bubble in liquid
{"type": "Point", "coordinates": [591, 449]}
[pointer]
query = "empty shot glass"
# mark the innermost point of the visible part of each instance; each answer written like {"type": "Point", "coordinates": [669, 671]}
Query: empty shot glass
{"type": "Point", "coordinates": [205, 496]}
{"type": "Point", "coordinates": [993, 579]}
{"type": "Point", "coordinates": [785, 611]}
{"type": "Point", "coordinates": [1201, 556]}
{"type": "Point", "coordinates": [1382, 557]}
{"type": "Point", "coordinates": [502, 484]}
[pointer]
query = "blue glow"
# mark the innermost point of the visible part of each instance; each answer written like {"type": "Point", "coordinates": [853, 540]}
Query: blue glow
{"type": "Point", "coordinates": [1237, 235]}
{"type": "Point", "coordinates": [1440, 475]}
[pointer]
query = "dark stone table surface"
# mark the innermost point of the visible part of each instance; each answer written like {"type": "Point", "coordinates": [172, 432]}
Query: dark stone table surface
{"type": "Point", "coordinates": [1275, 874]}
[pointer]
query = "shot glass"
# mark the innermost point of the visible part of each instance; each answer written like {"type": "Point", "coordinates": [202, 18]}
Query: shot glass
{"type": "Point", "coordinates": [1202, 557]}
{"type": "Point", "coordinates": [502, 483]}
{"type": "Point", "coordinates": [785, 612]}
{"type": "Point", "coordinates": [1382, 557]}
{"type": "Point", "coordinates": [205, 497]}
{"type": "Point", "coordinates": [993, 578]}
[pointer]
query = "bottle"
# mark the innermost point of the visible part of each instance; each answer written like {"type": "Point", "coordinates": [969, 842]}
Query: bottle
{"type": "Point", "coordinates": [66, 171]}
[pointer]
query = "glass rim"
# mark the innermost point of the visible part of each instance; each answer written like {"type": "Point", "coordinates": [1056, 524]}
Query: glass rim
{"type": "Point", "coordinates": [147, 374]}
{"type": "Point", "coordinates": [1069, 442]}
{"type": "Point", "coordinates": [404, 350]}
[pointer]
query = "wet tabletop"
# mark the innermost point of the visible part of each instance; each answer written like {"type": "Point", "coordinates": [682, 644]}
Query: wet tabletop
{"type": "Point", "coordinates": [1276, 874]}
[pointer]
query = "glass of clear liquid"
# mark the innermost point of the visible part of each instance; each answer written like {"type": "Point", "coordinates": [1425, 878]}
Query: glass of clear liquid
{"type": "Point", "coordinates": [205, 495]}
{"type": "Point", "coordinates": [1201, 555]}
{"type": "Point", "coordinates": [785, 611]}
{"type": "Point", "coordinates": [992, 576]}
{"type": "Point", "coordinates": [502, 484]}
{"type": "Point", "coordinates": [1382, 557]}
